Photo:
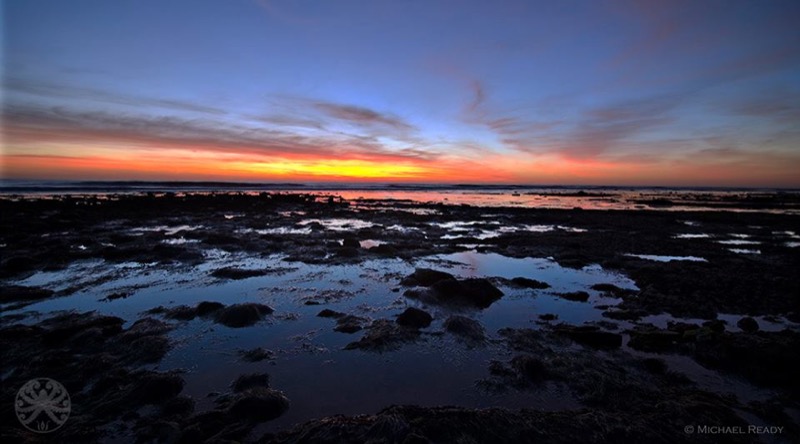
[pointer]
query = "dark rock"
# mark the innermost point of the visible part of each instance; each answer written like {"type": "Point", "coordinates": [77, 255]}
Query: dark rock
{"type": "Point", "coordinates": [178, 406]}
{"type": "Point", "coordinates": [349, 324]}
{"type": "Point", "coordinates": [425, 277]}
{"type": "Point", "coordinates": [529, 283]}
{"type": "Point", "coordinates": [153, 388]}
{"type": "Point", "coordinates": [414, 318]}
{"type": "Point", "coordinates": [382, 335]}
{"type": "Point", "coordinates": [465, 327]}
{"type": "Point", "coordinates": [609, 288]}
{"type": "Point", "coordinates": [347, 252]}
{"type": "Point", "coordinates": [478, 293]}
{"type": "Point", "coordinates": [256, 354]}
{"type": "Point", "coordinates": [242, 315]}
{"type": "Point", "coordinates": [17, 293]}
{"type": "Point", "coordinates": [653, 340]}
{"type": "Point", "coordinates": [259, 404]}
{"type": "Point", "coordinates": [351, 242]}
{"type": "Point", "coordinates": [205, 308]}
{"type": "Point", "coordinates": [237, 273]}
{"type": "Point", "coordinates": [328, 313]}
{"type": "Point", "coordinates": [530, 367]}
{"type": "Point", "coordinates": [591, 336]}
{"type": "Point", "coordinates": [748, 324]}
{"type": "Point", "coordinates": [579, 296]}
{"type": "Point", "coordinates": [384, 250]}
{"type": "Point", "coordinates": [716, 325]}
{"type": "Point", "coordinates": [248, 381]}
{"type": "Point", "coordinates": [624, 314]}
{"type": "Point", "coordinates": [548, 317]}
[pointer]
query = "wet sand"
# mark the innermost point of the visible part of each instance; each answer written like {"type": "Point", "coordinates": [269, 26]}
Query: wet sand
{"type": "Point", "coordinates": [307, 318]}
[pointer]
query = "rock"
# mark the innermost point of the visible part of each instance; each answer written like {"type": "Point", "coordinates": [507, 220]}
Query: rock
{"type": "Point", "coordinates": [591, 336]}
{"type": "Point", "coordinates": [425, 277]}
{"type": "Point", "coordinates": [178, 406]}
{"type": "Point", "coordinates": [414, 318]}
{"type": "Point", "coordinates": [146, 327]}
{"type": "Point", "coordinates": [349, 324]}
{"type": "Point", "coordinates": [205, 308]}
{"type": "Point", "coordinates": [251, 380]}
{"type": "Point", "coordinates": [548, 317]}
{"type": "Point", "coordinates": [465, 327]}
{"type": "Point", "coordinates": [579, 296]}
{"type": "Point", "coordinates": [348, 251]}
{"type": "Point", "coordinates": [17, 293]}
{"type": "Point", "coordinates": [748, 324]}
{"type": "Point", "coordinates": [241, 315]}
{"type": "Point", "coordinates": [529, 367]}
{"type": "Point", "coordinates": [609, 288]}
{"type": "Point", "coordinates": [478, 293]}
{"type": "Point", "coordinates": [529, 283]}
{"type": "Point", "coordinates": [384, 250]}
{"type": "Point", "coordinates": [653, 340]}
{"type": "Point", "coordinates": [237, 273]}
{"type": "Point", "coordinates": [351, 242]}
{"type": "Point", "coordinates": [328, 313]}
{"type": "Point", "coordinates": [259, 404]}
{"type": "Point", "coordinates": [153, 388]}
{"type": "Point", "coordinates": [716, 325]}
{"type": "Point", "coordinates": [382, 335]}
{"type": "Point", "coordinates": [256, 354]}
{"type": "Point", "coordinates": [624, 314]}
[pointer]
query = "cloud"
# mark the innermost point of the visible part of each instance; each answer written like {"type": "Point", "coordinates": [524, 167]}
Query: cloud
{"type": "Point", "coordinates": [32, 125]}
{"type": "Point", "coordinates": [361, 116]}
{"type": "Point", "coordinates": [65, 91]}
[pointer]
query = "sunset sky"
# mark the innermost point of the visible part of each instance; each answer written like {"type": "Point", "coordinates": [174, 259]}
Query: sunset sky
{"type": "Point", "coordinates": [660, 92]}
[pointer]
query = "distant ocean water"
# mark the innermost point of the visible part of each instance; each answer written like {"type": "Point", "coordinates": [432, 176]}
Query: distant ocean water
{"type": "Point", "coordinates": [49, 186]}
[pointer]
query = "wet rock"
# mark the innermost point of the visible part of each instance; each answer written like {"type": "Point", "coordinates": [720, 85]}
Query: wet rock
{"type": "Point", "coordinates": [578, 296]}
{"type": "Point", "coordinates": [64, 327]}
{"type": "Point", "coordinates": [242, 315]}
{"type": "Point", "coordinates": [748, 324]}
{"type": "Point", "coordinates": [154, 388]}
{"type": "Point", "coordinates": [383, 335]}
{"type": "Point", "coordinates": [591, 336]}
{"type": "Point", "coordinates": [624, 314]}
{"type": "Point", "coordinates": [178, 406]}
{"type": "Point", "coordinates": [206, 308]}
{"type": "Point", "coordinates": [479, 293]}
{"type": "Point", "coordinates": [347, 252]}
{"type": "Point", "coordinates": [179, 312]}
{"type": "Point", "coordinates": [529, 283]}
{"type": "Point", "coordinates": [351, 242]}
{"type": "Point", "coordinates": [146, 349]}
{"type": "Point", "coordinates": [465, 327]}
{"type": "Point", "coordinates": [530, 368]}
{"type": "Point", "coordinates": [414, 318]}
{"type": "Point", "coordinates": [328, 313]}
{"type": "Point", "coordinates": [716, 325]}
{"type": "Point", "coordinates": [425, 277]}
{"type": "Point", "coordinates": [237, 273]}
{"type": "Point", "coordinates": [610, 289]}
{"type": "Point", "coordinates": [146, 327]}
{"type": "Point", "coordinates": [653, 340]}
{"type": "Point", "coordinates": [681, 327]}
{"type": "Point", "coordinates": [20, 293]}
{"type": "Point", "coordinates": [548, 317]}
{"type": "Point", "coordinates": [385, 250]}
{"type": "Point", "coordinates": [251, 380]}
{"type": "Point", "coordinates": [349, 324]}
{"type": "Point", "coordinates": [255, 354]}
{"type": "Point", "coordinates": [259, 404]}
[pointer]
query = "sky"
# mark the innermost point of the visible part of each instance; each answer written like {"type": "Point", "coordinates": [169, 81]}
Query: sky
{"type": "Point", "coordinates": [583, 92]}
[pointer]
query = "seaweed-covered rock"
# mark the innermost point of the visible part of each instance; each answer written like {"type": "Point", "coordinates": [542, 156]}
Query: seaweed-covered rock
{"type": "Point", "coordinates": [748, 324]}
{"type": "Point", "coordinates": [529, 283]}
